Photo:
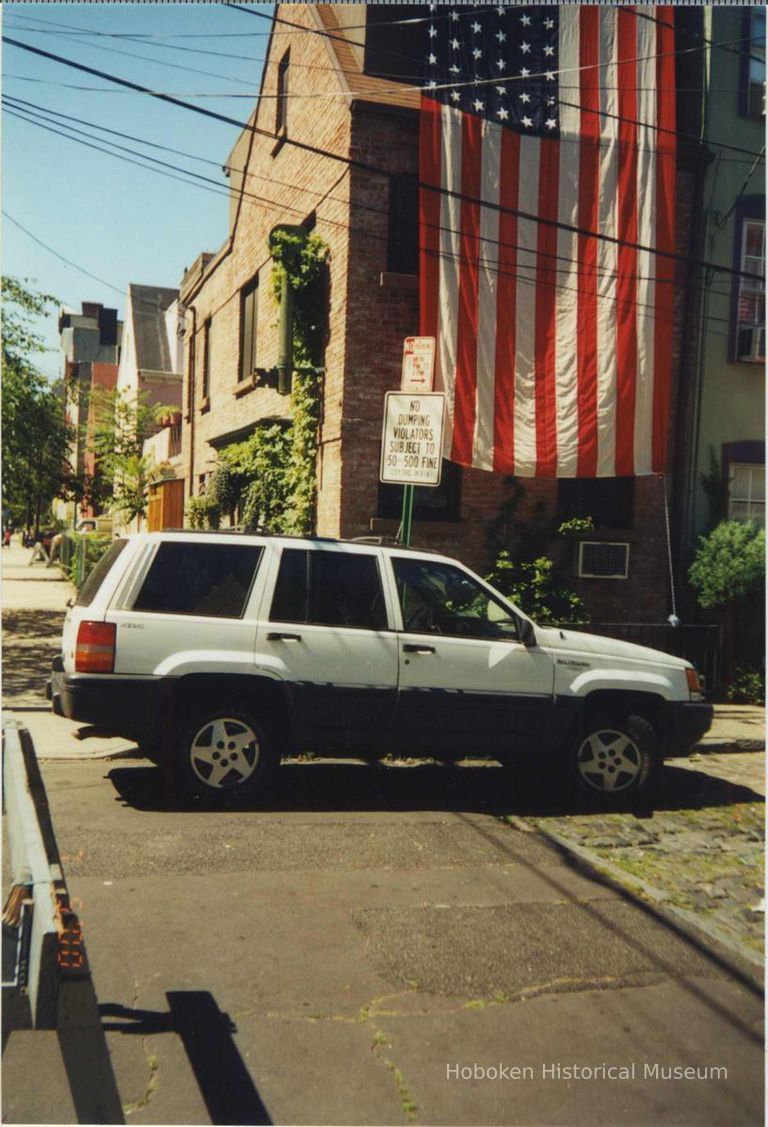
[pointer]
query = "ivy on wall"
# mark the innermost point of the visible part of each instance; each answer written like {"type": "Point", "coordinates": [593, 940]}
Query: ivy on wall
{"type": "Point", "coordinates": [270, 480]}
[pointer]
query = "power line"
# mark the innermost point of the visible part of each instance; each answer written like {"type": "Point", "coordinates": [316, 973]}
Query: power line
{"type": "Point", "coordinates": [269, 202]}
{"type": "Point", "coordinates": [61, 257]}
{"type": "Point", "coordinates": [367, 167]}
{"type": "Point", "coordinates": [523, 278]}
{"type": "Point", "coordinates": [400, 86]}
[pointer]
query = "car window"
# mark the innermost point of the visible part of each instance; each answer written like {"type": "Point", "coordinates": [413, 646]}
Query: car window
{"type": "Point", "coordinates": [436, 598]}
{"type": "Point", "coordinates": [98, 574]}
{"type": "Point", "coordinates": [211, 580]}
{"type": "Point", "coordinates": [328, 588]}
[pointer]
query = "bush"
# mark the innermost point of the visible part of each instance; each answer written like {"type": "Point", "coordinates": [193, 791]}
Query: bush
{"type": "Point", "coordinates": [202, 512]}
{"type": "Point", "coordinates": [747, 687]}
{"type": "Point", "coordinates": [729, 565]}
{"type": "Point", "coordinates": [87, 550]}
{"type": "Point", "coordinates": [535, 588]}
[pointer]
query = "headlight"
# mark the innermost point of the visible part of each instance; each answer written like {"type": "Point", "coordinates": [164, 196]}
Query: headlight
{"type": "Point", "coordinates": [695, 683]}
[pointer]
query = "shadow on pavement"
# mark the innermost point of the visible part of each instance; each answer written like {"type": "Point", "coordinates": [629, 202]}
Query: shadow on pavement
{"type": "Point", "coordinates": [486, 789]}
{"type": "Point", "coordinates": [206, 1033]}
{"type": "Point", "coordinates": [32, 639]}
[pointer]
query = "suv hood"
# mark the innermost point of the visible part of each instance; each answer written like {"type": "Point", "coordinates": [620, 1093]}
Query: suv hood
{"type": "Point", "coordinates": [595, 645]}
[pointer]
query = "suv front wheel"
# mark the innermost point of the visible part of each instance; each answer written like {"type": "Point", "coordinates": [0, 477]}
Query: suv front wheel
{"type": "Point", "coordinates": [617, 758]}
{"type": "Point", "coordinates": [224, 753]}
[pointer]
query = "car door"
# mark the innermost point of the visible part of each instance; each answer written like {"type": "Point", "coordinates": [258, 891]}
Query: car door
{"type": "Point", "coordinates": [467, 683]}
{"type": "Point", "coordinates": [327, 630]}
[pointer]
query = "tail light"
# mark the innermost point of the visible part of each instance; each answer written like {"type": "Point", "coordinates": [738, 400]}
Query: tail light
{"type": "Point", "coordinates": [95, 647]}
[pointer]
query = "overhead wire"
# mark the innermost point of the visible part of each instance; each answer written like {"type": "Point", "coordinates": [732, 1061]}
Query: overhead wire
{"type": "Point", "coordinates": [525, 279]}
{"type": "Point", "coordinates": [278, 204]}
{"type": "Point", "coordinates": [534, 218]}
{"type": "Point", "coordinates": [321, 95]}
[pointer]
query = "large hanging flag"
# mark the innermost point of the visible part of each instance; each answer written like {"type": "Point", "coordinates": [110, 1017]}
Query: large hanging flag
{"type": "Point", "coordinates": [547, 218]}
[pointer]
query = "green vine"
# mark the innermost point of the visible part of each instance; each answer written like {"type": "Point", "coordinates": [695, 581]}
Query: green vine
{"type": "Point", "coordinates": [269, 480]}
{"type": "Point", "coordinates": [304, 260]}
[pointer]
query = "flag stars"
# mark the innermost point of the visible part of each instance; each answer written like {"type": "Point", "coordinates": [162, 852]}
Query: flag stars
{"type": "Point", "coordinates": [454, 17]}
{"type": "Point", "coordinates": [549, 75]}
{"type": "Point", "coordinates": [501, 64]}
{"type": "Point", "coordinates": [455, 43]}
{"type": "Point", "coordinates": [478, 105]}
{"type": "Point", "coordinates": [501, 90]}
{"type": "Point", "coordinates": [501, 36]}
{"type": "Point", "coordinates": [454, 69]}
{"type": "Point", "coordinates": [549, 50]}
{"type": "Point", "coordinates": [502, 113]}
{"type": "Point", "coordinates": [551, 123]}
{"type": "Point", "coordinates": [477, 53]}
{"type": "Point", "coordinates": [525, 48]}
{"type": "Point", "coordinates": [525, 98]}
{"type": "Point", "coordinates": [432, 31]}
{"type": "Point", "coordinates": [432, 59]}
{"type": "Point", "coordinates": [527, 122]}
{"type": "Point", "coordinates": [524, 73]}
{"type": "Point", "coordinates": [477, 27]}
{"type": "Point", "coordinates": [455, 96]}
{"type": "Point", "coordinates": [549, 24]}
{"type": "Point", "coordinates": [525, 20]}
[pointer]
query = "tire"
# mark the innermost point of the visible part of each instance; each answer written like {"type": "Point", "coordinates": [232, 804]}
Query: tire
{"type": "Point", "coordinates": [616, 759]}
{"type": "Point", "coordinates": [224, 755]}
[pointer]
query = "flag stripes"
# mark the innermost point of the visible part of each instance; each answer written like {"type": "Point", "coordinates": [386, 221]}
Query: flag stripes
{"type": "Point", "coordinates": [555, 345]}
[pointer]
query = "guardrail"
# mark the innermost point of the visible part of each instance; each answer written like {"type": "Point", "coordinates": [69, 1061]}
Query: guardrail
{"type": "Point", "coordinates": [46, 976]}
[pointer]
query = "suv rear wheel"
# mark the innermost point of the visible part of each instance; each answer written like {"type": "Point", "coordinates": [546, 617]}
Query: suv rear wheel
{"type": "Point", "coordinates": [616, 758]}
{"type": "Point", "coordinates": [224, 753]}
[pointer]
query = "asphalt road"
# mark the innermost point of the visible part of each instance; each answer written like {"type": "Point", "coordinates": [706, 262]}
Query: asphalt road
{"type": "Point", "coordinates": [365, 946]}
{"type": "Point", "coordinates": [368, 946]}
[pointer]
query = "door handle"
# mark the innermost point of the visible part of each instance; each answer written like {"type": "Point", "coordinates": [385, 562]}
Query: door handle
{"type": "Point", "coordinates": [279, 636]}
{"type": "Point", "coordinates": [411, 648]}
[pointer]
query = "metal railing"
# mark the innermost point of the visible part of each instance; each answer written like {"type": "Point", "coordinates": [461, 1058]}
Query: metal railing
{"type": "Point", "coordinates": [46, 977]}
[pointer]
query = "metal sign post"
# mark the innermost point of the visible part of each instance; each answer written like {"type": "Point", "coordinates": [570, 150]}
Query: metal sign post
{"type": "Point", "coordinates": [417, 376]}
{"type": "Point", "coordinates": [411, 445]}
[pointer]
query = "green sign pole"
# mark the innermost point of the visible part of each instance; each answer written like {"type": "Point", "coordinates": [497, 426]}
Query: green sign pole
{"type": "Point", "coordinates": [407, 520]}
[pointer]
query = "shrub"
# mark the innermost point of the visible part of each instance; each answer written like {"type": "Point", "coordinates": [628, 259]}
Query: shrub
{"type": "Point", "coordinates": [747, 687]}
{"type": "Point", "coordinates": [729, 565]}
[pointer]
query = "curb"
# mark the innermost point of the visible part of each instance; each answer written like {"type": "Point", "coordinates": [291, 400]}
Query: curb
{"type": "Point", "coordinates": [727, 747]}
{"type": "Point", "coordinates": [741, 960]}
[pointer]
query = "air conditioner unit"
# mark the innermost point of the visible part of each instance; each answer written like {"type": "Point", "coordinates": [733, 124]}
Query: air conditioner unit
{"type": "Point", "coordinates": [751, 340]}
{"type": "Point", "coordinates": [602, 560]}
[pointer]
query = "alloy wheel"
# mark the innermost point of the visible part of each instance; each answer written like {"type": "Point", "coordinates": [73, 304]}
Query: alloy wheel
{"type": "Point", "coordinates": [610, 760]}
{"type": "Point", "coordinates": [224, 753]}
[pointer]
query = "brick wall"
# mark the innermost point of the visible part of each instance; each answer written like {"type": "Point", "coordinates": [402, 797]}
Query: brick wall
{"type": "Point", "coordinates": [369, 314]}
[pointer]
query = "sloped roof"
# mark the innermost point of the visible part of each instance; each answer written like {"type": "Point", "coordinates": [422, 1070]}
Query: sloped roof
{"type": "Point", "coordinates": [149, 305]}
{"type": "Point", "coordinates": [361, 87]}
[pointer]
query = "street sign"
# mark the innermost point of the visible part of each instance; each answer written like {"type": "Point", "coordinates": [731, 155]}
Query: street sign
{"type": "Point", "coordinates": [418, 364]}
{"type": "Point", "coordinates": [412, 438]}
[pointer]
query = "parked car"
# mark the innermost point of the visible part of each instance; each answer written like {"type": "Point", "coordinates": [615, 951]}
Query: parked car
{"type": "Point", "coordinates": [222, 652]}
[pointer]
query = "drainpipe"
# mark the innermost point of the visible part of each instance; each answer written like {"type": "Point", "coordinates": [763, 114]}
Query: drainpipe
{"type": "Point", "coordinates": [285, 329]}
{"type": "Point", "coordinates": [191, 397]}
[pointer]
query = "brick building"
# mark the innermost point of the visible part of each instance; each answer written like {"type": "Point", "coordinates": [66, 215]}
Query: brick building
{"type": "Point", "coordinates": [90, 346]}
{"type": "Point", "coordinates": [333, 144]}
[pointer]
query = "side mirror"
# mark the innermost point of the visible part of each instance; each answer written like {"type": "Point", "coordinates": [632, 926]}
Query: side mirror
{"type": "Point", "coordinates": [527, 632]}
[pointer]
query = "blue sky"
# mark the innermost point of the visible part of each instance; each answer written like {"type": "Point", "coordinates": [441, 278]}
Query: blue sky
{"type": "Point", "coordinates": [119, 222]}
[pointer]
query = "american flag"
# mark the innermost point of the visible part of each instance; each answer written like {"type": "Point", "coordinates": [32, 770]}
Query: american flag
{"type": "Point", "coordinates": [547, 217]}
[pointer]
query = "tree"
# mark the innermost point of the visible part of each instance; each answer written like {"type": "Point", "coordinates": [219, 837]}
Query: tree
{"type": "Point", "coordinates": [117, 427]}
{"type": "Point", "coordinates": [728, 575]}
{"type": "Point", "coordinates": [35, 434]}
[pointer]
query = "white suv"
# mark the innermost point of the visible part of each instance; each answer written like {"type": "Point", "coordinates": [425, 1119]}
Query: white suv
{"type": "Point", "coordinates": [221, 652]}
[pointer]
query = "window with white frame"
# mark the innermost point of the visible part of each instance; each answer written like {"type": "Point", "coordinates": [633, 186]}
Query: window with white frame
{"type": "Point", "coordinates": [746, 492]}
{"type": "Point", "coordinates": [750, 326]}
